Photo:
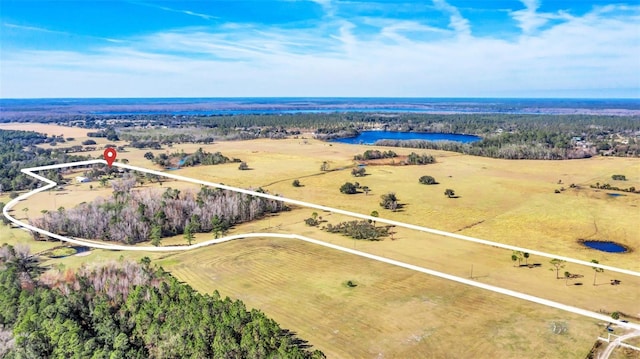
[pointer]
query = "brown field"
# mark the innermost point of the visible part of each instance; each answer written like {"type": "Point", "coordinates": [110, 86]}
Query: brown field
{"type": "Point", "coordinates": [47, 129]}
{"type": "Point", "coordinates": [395, 311]}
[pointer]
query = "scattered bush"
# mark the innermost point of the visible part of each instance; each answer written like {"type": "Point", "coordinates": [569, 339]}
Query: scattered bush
{"type": "Point", "coordinates": [88, 142]}
{"type": "Point", "coordinates": [243, 166]}
{"type": "Point", "coordinates": [619, 177]}
{"type": "Point", "coordinates": [296, 183]}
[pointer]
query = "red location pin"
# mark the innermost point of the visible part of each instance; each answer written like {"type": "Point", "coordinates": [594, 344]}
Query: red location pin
{"type": "Point", "coordinates": [110, 155]}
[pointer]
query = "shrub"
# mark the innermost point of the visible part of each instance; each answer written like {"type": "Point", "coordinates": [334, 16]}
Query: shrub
{"type": "Point", "coordinates": [88, 142]}
{"type": "Point", "coordinates": [427, 180]}
{"type": "Point", "coordinates": [296, 183]}
{"type": "Point", "coordinates": [311, 222]}
{"type": "Point", "coordinates": [243, 166]}
{"type": "Point", "coordinates": [619, 177]}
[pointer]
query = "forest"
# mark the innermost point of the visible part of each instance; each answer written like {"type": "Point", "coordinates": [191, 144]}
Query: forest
{"type": "Point", "coordinates": [18, 151]}
{"type": "Point", "coordinates": [127, 310]}
{"type": "Point", "coordinates": [133, 216]}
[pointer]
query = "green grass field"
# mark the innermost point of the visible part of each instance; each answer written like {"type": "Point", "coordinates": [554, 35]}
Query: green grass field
{"type": "Point", "coordinates": [394, 311]}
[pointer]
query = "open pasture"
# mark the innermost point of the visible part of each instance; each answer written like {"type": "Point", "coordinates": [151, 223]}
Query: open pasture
{"type": "Point", "coordinates": [394, 311]}
{"type": "Point", "coordinates": [390, 313]}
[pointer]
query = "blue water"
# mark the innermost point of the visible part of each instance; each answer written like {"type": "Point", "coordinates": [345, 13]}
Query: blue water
{"type": "Point", "coordinates": [610, 247]}
{"type": "Point", "coordinates": [289, 105]}
{"type": "Point", "coordinates": [370, 137]}
{"type": "Point", "coordinates": [615, 194]}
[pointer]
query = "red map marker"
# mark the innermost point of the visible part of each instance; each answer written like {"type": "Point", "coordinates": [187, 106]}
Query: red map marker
{"type": "Point", "coordinates": [110, 155]}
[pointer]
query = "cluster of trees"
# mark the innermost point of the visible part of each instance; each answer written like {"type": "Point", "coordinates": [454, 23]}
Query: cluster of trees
{"type": "Point", "coordinates": [359, 230]}
{"type": "Point", "coordinates": [609, 187]}
{"type": "Point", "coordinates": [619, 177]}
{"type": "Point", "coordinates": [423, 159]}
{"type": "Point", "coordinates": [358, 172]}
{"type": "Point", "coordinates": [127, 310]}
{"type": "Point", "coordinates": [374, 155]}
{"type": "Point", "coordinates": [18, 151]}
{"type": "Point", "coordinates": [185, 160]}
{"type": "Point", "coordinates": [352, 188]}
{"type": "Point", "coordinates": [133, 216]}
{"type": "Point", "coordinates": [109, 133]}
{"type": "Point", "coordinates": [389, 201]}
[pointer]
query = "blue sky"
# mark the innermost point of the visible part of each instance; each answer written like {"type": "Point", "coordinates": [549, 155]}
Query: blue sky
{"type": "Point", "coordinates": [265, 48]}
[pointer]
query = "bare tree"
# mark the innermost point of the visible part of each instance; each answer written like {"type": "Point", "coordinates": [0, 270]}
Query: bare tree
{"type": "Point", "coordinates": [558, 264]}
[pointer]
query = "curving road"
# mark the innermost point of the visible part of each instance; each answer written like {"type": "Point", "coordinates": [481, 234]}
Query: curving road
{"type": "Point", "coordinates": [527, 297]}
{"type": "Point", "coordinates": [614, 344]}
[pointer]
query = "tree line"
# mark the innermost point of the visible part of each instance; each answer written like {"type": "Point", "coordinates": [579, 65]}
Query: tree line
{"type": "Point", "coordinates": [127, 310]}
{"type": "Point", "coordinates": [133, 216]}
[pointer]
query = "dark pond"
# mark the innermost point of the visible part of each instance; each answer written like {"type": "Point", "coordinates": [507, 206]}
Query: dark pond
{"type": "Point", "coordinates": [610, 247]}
{"type": "Point", "coordinates": [370, 137]}
{"type": "Point", "coordinates": [614, 194]}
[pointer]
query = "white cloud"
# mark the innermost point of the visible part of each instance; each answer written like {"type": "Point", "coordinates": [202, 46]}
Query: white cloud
{"type": "Point", "coordinates": [456, 20]}
{"type": "Point", "coordinates": [595, 52]}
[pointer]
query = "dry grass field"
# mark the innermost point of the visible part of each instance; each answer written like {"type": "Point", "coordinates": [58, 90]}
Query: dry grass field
{"type": "Point", "coordinates": [394, 311]}
{"type": "Point", "coordinates": [391, 313]}
{"type": "Point", "coordinates": [52, 130]}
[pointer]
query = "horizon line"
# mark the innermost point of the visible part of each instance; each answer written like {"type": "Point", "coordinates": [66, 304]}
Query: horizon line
{"type": "Point", "coordinates": [323, 97]}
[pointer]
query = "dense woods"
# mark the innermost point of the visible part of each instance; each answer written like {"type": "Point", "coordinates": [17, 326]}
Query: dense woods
{"type": "Point", "coordinates": [18, 151]}
{"type": "Point", "coordinates": [127, 310]}
{"type": "Point", "coordinates": [137, 215]}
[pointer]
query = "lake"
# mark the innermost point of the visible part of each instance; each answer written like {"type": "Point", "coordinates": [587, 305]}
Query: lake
{"type": "Point", "coordinates": [370, 137]}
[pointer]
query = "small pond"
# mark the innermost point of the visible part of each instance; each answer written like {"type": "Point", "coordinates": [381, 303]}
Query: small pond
{"type": "Point", "coordinates": [370, 137]}
{"type": "Point", "coordinates": [615, 194]}
{"type": "Point", "coordinates": [606, 246]}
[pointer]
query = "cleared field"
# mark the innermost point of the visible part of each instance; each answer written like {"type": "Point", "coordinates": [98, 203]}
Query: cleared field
{"type": "Point", "coordinates": [391, 313]}
{"type": "Point", "coordinates": [48, 129]}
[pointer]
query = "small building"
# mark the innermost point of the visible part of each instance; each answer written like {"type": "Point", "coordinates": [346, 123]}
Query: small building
{"type": "Point", "coordinates": [82, 179]}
